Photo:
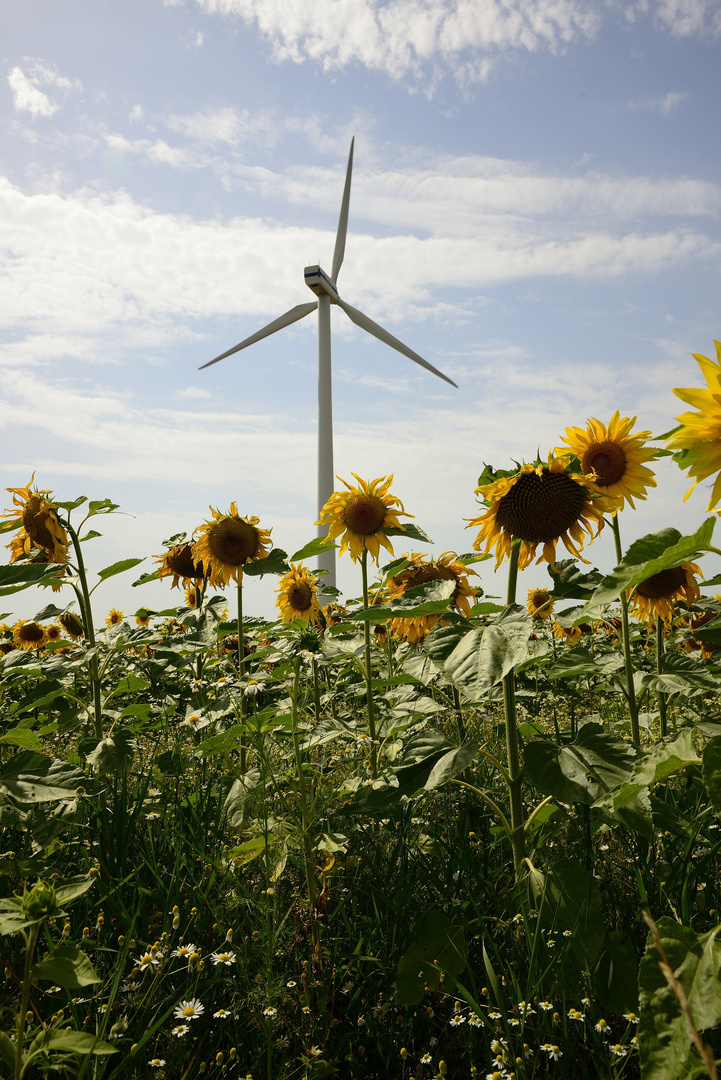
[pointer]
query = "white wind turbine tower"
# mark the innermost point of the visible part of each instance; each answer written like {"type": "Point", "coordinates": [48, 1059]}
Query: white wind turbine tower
{"type": "Point", "coordinates": [324, 287]}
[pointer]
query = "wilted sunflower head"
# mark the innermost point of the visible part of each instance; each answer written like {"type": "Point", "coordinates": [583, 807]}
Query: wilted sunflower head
{"type": "Point", "coordinates": [612, 455]}
{"type": "Point", "coordinates": [179, 563]}
{"type": "Point", "coordinates": [421, 570]}
{"type": "Point", "coordinates": [540, 504]}
{"type": "Point", "coordinates": [71, 624]}
{"type": "Point", "coordinates": [361, 514]}
{"type": "Point", "coordinates": [28, 635]}
{"type": "Point", "coordinates": [656, 595]}
{"type": "Point", "coordinates": [540, 604]}
{"type": "Point", "coordinates": [700, 432]}
{"type": "Point", "coordinates": [298, 595]}
{"type": "Point", "coordinates": [228, 542]}
{"type": "Point", "coordinates": [40, 528]}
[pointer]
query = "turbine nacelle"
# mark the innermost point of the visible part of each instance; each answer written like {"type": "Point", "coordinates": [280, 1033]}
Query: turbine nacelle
{"type": "Point", "coordinates": [318, 282]}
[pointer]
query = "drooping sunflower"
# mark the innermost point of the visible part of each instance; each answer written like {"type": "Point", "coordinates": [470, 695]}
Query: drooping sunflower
{"type": "Point", "coordinates": [540, 604]}
{"type": "Point", "coordinates": [39, 523]}
{"type": "Point", "coordinates": [28, 635]}
{"type": "Point", "coordinates": [227, 543]}
{"type": "Point", "coordinates": [700, 433]}
{"type": "Point", "coordinates": [615, 456]}
{"type": "Point", "coordinates": [114, 617]}
{"type": "Point", "coordinates": [540, 504]}
{"type": "Point", "coordinates": [656, 595]}
{"type": "Point", "coordinates": [298, 595]}
{"type": "Point", "coordinates": [359, 515]}
{"type": "Point", "coordinates": [179, 563]}
{"type": "Point", "coordinates": [447, 567]}
{"type": "Point", "coordinates": [71, 624]}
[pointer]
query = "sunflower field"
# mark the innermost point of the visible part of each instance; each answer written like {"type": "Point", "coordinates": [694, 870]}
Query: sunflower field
{"type": "Point", "coordinates": [415, 833]}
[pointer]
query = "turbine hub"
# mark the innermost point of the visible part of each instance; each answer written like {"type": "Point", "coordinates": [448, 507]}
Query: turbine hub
{"type": "Point", "coordinates": [318, 281]}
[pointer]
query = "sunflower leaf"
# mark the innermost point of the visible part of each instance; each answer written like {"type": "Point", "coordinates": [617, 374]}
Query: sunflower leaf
{"type": "Point", "coordinates": [413, 532]}
{"type": "Point", "coordinates": [431, 598]}
{"type": "Point", "coordinates": [313, 548]}
{"type": "Point", "coordinates": [274, 563]}
{"type": "Point", "coordinates": [118, 568]}
{"type": "Point", "coordinates": [145, 578]}
{"type": "Point", "coordinates": [647, 556]}
{"type": "Point", "coordinates": [15, 577]}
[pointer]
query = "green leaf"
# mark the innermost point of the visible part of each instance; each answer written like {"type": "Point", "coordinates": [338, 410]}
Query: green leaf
{"type": "Point", "coordinates": [145, 578]}
{"type": "Point", "coordinates": [68, 967]}
{"type": "Point", "coordinates": [411, 531]}
{"type": "Point", "coordinates": [681, 673]}
{"type": "Point", "coordinates": [32, 778]}
{"type": "Point", "coordinates": [666, 1051]}
{"type": "Point", "coordinates": [452, 763]}
{"type": "Point", "coordinates": [437, 946]}
{"type": "Point", "coordinates": [131, 684]}
{"type": "Point", "coordinates": [72, 504]}
{"type": "Point", "coordinates": [235, 804]}
{"type": "Point", "coordinates": [645, 557]}
{"type": "Point", "coordinates": [70, 1042]}
{"type": "Point", "coordinates": [20, 576]}
{"type": "Point", "coordinates": [615, 980]}
{"type": "Point", "coordinates": [251, 849]}
{"type": "Point", "coordinates": [570, 582]}
{"type": "Point", "coordinates": [118, 568]}
{"type": "Point", "coordinates": [580, 771]}
{"type": "Point", "coordinates": [114, 753]}
{"type": "Point", "coordinates": [475, 660]}
{"type": "Point", "coordinates": [65, 894]}
{"type": "Point", "coordinates": [313, 548]}
{"type": "Point", "coordinates": [18, 736]}
{"type": "Point", "coordinates": [7, 1052]}
{"type": "Point", "coordinates": [101, 506]}
{"type": "Point", "coordinates": [276, 562]}
{"type": "Point", "coordinates": [711, 772]}
{"type": "Point", "coordinates": [432, 598]}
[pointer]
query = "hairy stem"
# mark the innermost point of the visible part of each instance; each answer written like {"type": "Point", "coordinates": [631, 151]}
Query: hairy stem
{"type": "Point", "coordinates": [630, 689]}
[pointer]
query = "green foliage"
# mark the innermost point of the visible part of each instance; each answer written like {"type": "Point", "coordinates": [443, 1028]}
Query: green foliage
{"type": "Point", "coordinates": [438, 947]}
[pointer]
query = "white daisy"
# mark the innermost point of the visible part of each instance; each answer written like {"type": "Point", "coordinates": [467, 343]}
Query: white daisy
{"type": "Point", "coordinates": [189, 1010]}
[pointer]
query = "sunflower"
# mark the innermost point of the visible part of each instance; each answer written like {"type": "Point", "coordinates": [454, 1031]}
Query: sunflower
{"type": "Point", "coordinates": [143, 616]}
{"type": "Point", "coordinates": [114, 617]}
{"type": "Point", "coordinates": [53, 632]}
{"type": "Point", "coordinates": [540, 504]}
{"type": "Point", "coordinates": [572, 636]}
{"type": "Point", "coordinates": [612, 455]}
{"type": "Point", "coordinates": [656, 595]}
{"type": "Point", "coordinates": [360, 514]}
{"type": "Point", "coordinates": [540, 604]}
{"type": "Point", "coordinates": [179, 563]}
{"type": "Point", "coordinates": [28, 635]}
{"type": "Point", "coordinates": [71, 624]}
{"type": "Point", "coordinates": [191, 597]}
{"type": "Point", "coordinates": [700, 433]}
{"type": "Point", "coordinates": [39, 523]}
{"type": "Point", "coordinates": [228, 543]}
{"type": "Point", "coordinates": [298, 595]}
{"type": "Point", "coordinates": [447, 567]}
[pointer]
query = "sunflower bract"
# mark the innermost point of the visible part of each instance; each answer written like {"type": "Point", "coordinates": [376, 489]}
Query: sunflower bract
{"type": "Point", "coordinates": [701, 431]}
{"type": "Point", "coordinates": [359, 516]}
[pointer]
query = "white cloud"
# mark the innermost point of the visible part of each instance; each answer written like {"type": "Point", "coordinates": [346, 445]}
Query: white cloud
{"type": "Point", "coordinates": [682, 18]}
{"type": "Point", "coordinates": [666, 105]}
{"type": "Point", "coordinates": [404, 37]}
{"type": "Point", "coordinates": [27, 95]}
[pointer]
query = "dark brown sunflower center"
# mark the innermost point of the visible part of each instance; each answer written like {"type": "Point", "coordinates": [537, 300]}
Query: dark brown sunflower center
{"type": "Point", "coordinates": [233, 541]}
{"type": "Point", "coordinates": [53, 633]}
{"type": "Point", "coordinates": [35, 516]}
{"type": "Point", "coordinates": [665, 583]}
{"type": "Point", "coordinates": [31, 632]}
{"type": "Point", "coordinates": [541, 508]}
{"type": "Point", "coordinates": [300, 596]}
{"type": "Point", "coordinates": [364, 514]}
{"type": "Point", "coordinates": [608, 460]}
{"type": "Point", "coordinates": [71, 623]}
{"type": "Point", "coordinates": [181, 562]}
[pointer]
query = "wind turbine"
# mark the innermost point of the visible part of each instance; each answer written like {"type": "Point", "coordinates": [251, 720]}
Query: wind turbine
{"type": "Point", "coordinates": [325, 288]}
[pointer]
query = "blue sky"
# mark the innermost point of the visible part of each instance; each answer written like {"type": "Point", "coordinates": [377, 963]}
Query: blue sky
{"type": "Point", "coordinates": [535, 209]}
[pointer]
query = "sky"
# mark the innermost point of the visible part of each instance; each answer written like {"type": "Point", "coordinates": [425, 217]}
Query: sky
{"type": "Point", "coordinates": [534, 209]}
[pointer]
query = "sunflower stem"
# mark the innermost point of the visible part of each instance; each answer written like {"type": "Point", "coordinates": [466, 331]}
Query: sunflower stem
{"type": "Point", "coordinates": [660, 696]}
{"type": "Point", "coordinates": [87, 613]}
{"type": "Point", "coordinates": [368, 669]}
{"type": "Point", "coordinates": [515, 774]}
{"type": "Point", "coordinates": [303, 800]}
{"type": "Point", "coordinates": [630, 688]}
{"type": "Point", "coordinates": [241, 673]}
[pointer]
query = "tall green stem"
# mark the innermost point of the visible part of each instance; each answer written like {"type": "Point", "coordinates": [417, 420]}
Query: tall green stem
{"type": "Point", "coordinates": [89, 630]}
{"type": "Point", "coordinates": [21, 1019]}
{"type": "Point", "coordinates": [369, 670]}
{"type": "Point", "coordinates": [304, 809]}
{"type": "Point", "coordinates": [241, 673]}
{"type": "Point", "coordinates": [630, 689]}
{"type": "Point", "coordinates": [515, 776]}
{"type": "Point", "coordinates": [660, 696]}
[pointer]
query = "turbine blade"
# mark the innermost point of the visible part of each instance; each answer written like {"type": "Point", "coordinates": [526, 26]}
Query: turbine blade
{"type": "Point", "coordinates": [342, 220]}
{"type": "Point", "coordinates": [373, 328]}
{"type": "Point", "coordinates": [298, 312]}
